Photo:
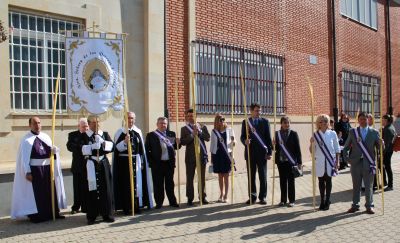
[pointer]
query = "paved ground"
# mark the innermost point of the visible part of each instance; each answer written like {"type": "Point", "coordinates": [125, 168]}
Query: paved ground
{"type": "Point", "coordinates": [219, 222]}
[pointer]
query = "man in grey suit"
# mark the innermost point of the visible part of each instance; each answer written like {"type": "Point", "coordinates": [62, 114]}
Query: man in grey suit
{"type": "Point", "coordinates": [188, 133]}
{"type": "Point", "coordinates": [363, 141]}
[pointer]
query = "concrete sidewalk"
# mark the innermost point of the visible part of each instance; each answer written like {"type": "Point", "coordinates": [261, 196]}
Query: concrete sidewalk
{"type": "Point", "coordinates": [218, 222]}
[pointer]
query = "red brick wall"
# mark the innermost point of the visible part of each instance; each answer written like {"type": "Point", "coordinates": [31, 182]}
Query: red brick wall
{"type": "Point", "coordinates": [294, 29]}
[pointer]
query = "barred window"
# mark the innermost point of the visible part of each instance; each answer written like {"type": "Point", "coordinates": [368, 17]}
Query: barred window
{"type": "Point", "coordinates": [217, 74]}
{"type": "Point", "coordinates": [37, 52]}
{"type": "Point", "coordinates": [357, 93]}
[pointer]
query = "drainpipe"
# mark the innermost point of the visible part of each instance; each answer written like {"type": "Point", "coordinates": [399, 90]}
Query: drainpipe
{"type": "Point", "coordinates": [389, 59]}
{"type": "Point", "coordinates": [334, 64]}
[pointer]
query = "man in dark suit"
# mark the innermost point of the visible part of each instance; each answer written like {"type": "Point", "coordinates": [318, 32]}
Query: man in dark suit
{"type": "Point", "coordinates": [160, 148]}
{"type": "Point", "coordinates": [260, 146]}
{"type": "Point", "coordinates": [188, 132]}
{"type": "Point", "coordinates": [74, 145]}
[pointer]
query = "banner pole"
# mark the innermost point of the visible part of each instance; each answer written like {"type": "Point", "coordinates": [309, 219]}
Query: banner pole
{"type": "Point", "coordinates": [53, 125]}
{"type": "Point", "coordinates": [312, 147]}
{"type": "Point", "coordinates": [196, 137]}
{"type": "Point", "coordinates": [381, 146]}
{"type": "Point", "coordinates": [247, 132]}
{"type": "Point", "coordinates": [274, 146]}
{"type": "Point", "coordinates": [233, 145]}
{"type": "Point", "coordinates": [176, 129]}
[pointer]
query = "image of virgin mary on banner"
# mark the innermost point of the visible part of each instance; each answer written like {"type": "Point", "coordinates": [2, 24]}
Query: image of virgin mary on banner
{"type": "Point", "coordinates": [94, 73]}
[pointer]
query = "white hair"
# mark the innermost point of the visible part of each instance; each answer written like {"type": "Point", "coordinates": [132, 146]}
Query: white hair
{"type": "Point", "coordinates": [83, 120]}
{"type": "Point", "coordinates": [133, 113]}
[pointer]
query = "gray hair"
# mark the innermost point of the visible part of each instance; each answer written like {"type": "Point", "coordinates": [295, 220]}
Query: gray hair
{"type": "Point", "coordinates": [162, 118]}
{"type": "Point", "coordinates": [83, 120]}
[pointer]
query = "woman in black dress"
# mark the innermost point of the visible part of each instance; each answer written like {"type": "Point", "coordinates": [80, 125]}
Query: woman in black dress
{"type": "Point", "coordinates": [222, 142]}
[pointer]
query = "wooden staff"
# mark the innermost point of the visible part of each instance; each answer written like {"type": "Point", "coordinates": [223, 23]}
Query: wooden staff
{"type": "Point", "coordinates": [53, 126]}
{"type": "Point", "coordinates": [177, 144]}
{"type": "Point", "coordinates": [126, 109]}
{"type": "Point", "coordinates": [381, 146]}
{"type": "Point", "coordinates": [274, 146]}
{"type": "Point", "coordinates": [196, 141]}
{"type": "Point", "coordinates": [247, 131]}
{"type": "Point", "coordinates": [373, 123]}
{"type": "Point", "coordinates": [232, 156]}
{"type": "Point", "coordinates": [312, 134]}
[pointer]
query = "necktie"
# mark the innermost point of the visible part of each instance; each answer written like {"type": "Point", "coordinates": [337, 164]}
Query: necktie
{"type": "Point", "coordinates": [256, 121]}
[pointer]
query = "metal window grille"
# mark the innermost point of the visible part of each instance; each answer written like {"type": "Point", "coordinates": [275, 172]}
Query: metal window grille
{"type": "Point", "coordinates": [37, 52]}
{"type": "Point", "coordinates": [357, 93]}
{"type": "Point", "coordinates": [217, 76]}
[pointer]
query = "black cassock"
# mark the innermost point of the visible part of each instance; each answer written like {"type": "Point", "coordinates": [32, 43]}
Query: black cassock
{"type": "Point", "coordinates": [121, 176]}
{"type": "Point", "coordinates": [99, 201]}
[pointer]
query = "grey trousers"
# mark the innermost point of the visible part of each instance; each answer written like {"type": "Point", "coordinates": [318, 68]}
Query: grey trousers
{"type": "Point", "coordinates": [190, 172]}
{"type": "Point", "coordinates": [359, 172]}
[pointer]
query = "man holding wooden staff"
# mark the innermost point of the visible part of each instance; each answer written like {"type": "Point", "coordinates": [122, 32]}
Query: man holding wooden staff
{"type": "Point", "coordinates": [32, 187]}
{"type": "Point", "coordinates": [363, 141]}
{"type": "Point", "coordinates": [260, 146]}
{"type": "Point", "coordinates": [188, 133]}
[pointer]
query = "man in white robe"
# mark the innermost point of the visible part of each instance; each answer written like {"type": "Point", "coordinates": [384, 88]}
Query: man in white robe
{"type": "Point", "coordinates": [32, 188]}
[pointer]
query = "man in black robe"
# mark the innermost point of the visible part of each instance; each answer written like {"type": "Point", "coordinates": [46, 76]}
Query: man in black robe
{"type": "Point", "coordinates": [99, 194]}
{"type": "Point", "coordinates": [121, 175]}
{"type": "Point", "coordinates": [78, 165]}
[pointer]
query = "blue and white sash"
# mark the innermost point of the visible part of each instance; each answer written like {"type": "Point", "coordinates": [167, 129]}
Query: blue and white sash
{"type": "Point", "coordinates": [254, 131]}
{"type": "Point", "coordinates": [202, 145]}
{"type": "Point", "coordinates": [362, 146]}
{"type": "Point", "coordinates": [164, 139]}
{"type": "Point", "coordinates": [221, 141]}
{"type": "Point", "coordinates": [283, 147]}
{"type": "Point", "coordinates": [325, 151]}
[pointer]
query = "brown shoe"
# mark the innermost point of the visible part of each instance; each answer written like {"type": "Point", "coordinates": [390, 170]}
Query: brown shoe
{"type": "Point", "coordinates": [353, 210]}
{"type": "Point", "coordinates": [370, 211]}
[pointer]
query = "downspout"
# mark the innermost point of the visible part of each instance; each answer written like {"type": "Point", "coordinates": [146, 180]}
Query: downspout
{"type": "Point", "coordinates": [334, 64]}
{"type": "Point", "coordinates": [389, 59]}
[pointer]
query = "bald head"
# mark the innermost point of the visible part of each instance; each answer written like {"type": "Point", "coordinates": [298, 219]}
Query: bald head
{"type": "Point", "coordinates": [34, 124]}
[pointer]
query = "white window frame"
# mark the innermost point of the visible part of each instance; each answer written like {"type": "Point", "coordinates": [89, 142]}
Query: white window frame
{"type": "Point", "coordinates": [364, 12]}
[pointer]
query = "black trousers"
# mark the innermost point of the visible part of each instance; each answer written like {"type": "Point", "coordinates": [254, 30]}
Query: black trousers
{"type": "Point", "coordinates": [286, 180]}
{"type": "Point", "coordinates": [259, 165]}
{"type": "Point", "coordinates": [78, 183]}
{"type": "Point", "coordinates": [163, 177]}
{"type": "Point", "coordinates": [325, 187]}
{"type": "Point", "coordinates": [387, 169]}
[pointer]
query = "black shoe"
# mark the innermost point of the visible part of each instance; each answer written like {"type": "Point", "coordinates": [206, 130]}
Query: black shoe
{"type": "Point", "coordinates": [327, 204]}
{"type": "Point", "coordinates": [138, 211]}
{"type": "Point", "coordinates": [158, 206]}
{"type": "Point", "coordinates": [74, 211]}
{"type": "Point", "coordinates": [60, 216]}
{"type": "Point", "coordinates": [281, 204]}
{"type": "Point", "coordinates": [175, 205]}
{"type": "Point", "coordinates": [91, 222]}
{"type": "Point", "coordinates": [262, 202]}
{"type": "Point", "coordinates": [108, 219]}
{"type": "Point", "coordinates": [248, 201]}
{"type": "Point", "coordinates": [126, 212]}
{"type": "Point", "coordinates": [389, 188]}
{"type": "Point", "coordinates": [322, 206]}
{"type": "Point", "coordinates": [363, 189]}
{"type": "Point", "coordinates": [190, 203]}
{"type": "Point", "coordinates": [205, 202]}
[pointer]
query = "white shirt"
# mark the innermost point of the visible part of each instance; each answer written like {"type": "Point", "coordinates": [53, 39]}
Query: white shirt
{"type": "Point", "coordinates": [164, 149]}
{"type": "Point", "coordinates": [331, 140]}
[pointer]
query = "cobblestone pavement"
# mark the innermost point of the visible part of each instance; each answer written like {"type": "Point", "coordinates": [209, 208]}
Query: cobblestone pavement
{"type": "Point", "coordinates": [218, 222]}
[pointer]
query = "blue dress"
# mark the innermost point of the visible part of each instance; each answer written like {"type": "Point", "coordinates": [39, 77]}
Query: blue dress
{"type": "Point", "coordinates": [221, 161]}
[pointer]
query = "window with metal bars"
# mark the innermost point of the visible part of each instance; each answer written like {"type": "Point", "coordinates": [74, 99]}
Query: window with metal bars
{"type": "Point", "coordinates": [217, 70]}
{"type": "Point", "coordinates": [357, 93]}
{"type": "Point", "coordinates": [37, 52]}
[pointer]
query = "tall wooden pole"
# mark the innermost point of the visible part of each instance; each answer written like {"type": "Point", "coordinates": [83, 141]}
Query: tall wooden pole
{"type": "Point", "coordinates": [274, 146]}
{"type": "Point", "coordinates": [373, 123]}
{"type": "Point", "coordinates": [313, 145]}
{"type": "Point", "coordinates": [233, 145]}
{"type": "Point", "coordinates": [176, 129]}
{"type": "Point", "coordinates": [53, 126]}
{"type": "Point", "coordinates": [381, 145]}
{"type": "Point", "coordinates": [196, 137]}
{"type": "Point", "coordinates": [244, 96]}
{"type": "Point", "coordinates": [126, 109]}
